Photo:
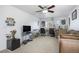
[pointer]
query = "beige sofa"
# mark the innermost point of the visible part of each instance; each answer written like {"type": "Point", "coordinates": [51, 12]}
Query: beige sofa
{"type": "Point", "coordinates": [68, 43]}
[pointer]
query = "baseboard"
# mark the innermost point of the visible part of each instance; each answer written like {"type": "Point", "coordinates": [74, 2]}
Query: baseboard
{"type": "Point", "coordinates": [2, 49]}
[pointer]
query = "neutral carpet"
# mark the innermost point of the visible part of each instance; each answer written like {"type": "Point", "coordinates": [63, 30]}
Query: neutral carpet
{"type": "Point", "coordinates": [42, 44]}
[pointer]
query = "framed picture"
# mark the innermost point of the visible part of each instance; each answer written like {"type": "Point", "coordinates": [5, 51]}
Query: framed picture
{"type": "Point", "coordinates": [74, 15]}
{"type": "Point", "coordinates": [43, 23]}
{"type": "Point", "coordinates": [63, 22]}
{"type": "Point", "coordinates": [69, 21]}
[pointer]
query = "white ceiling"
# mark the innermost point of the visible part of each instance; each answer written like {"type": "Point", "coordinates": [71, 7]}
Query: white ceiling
{"type": "Point", "coordinates": [60, 10]}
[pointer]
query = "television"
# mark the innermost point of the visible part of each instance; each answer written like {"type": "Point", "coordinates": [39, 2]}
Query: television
{"type": "Point", "coordinates": [26, 28]}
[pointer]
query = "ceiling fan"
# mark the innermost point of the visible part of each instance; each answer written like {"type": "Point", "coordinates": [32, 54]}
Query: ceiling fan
{"type": "Point", "coordinates": [46, 9]}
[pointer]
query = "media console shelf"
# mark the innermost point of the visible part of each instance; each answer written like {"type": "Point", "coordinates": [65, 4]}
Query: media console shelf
{"type": "Point", "coordinates": [27, 37]}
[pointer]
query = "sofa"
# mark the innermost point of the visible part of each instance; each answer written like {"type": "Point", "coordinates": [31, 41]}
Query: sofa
{"type": "Point", "coordinates": [69, 42]}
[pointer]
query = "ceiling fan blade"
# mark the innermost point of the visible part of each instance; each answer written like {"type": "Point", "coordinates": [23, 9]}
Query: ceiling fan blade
{"type": "Point", "coordinates": [39, 11]}
{"type": "Point", "coordinates": [40, 6]}
{"type": "Point", "coordinates": [50, 11]}
{"type": "Point", "coordinates": [51, 6]}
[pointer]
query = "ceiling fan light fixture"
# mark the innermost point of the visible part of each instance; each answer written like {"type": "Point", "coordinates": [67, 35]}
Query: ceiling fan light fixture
{"type": "Point", "coordinates": [44, 11]}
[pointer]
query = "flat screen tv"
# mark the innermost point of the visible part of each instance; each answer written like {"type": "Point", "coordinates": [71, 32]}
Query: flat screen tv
{"type": "Point", "coordinates": [26, 28]}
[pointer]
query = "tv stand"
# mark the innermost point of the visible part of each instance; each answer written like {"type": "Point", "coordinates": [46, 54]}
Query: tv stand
{"type": "Point", "coordinates": [28, 32]}
{"type": "Point", "coordinates": [27, 37]}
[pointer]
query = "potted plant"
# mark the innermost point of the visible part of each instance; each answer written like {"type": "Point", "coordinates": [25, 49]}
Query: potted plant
{"type": "Point", "coordinates": [13, 32]}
